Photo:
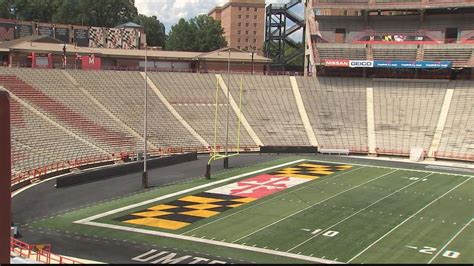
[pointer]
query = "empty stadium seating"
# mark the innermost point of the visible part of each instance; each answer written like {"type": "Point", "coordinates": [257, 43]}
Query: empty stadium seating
{"type": "Point", "coordinates": [193, 96]}
{"type": "Point", "coordinates": [406, 114]}
{"type": "Point", "coordinates": [337, 111]}
{"type": "Point", "coordinates": [63, 117]}
{"type": "Point", "coordinates": [270, 108]}
{"type": "Point", "coordinates": [122, 93]}
{"type": "Point", "coordinates": [458, 134]}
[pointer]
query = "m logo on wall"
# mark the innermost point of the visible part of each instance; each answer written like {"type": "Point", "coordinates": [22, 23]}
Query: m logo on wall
{"type": "Point", "coordinates": [91, 62]}
{"type": "Point", "coordinates": [7, 31]}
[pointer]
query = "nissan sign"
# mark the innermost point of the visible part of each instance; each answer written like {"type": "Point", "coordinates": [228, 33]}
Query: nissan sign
{"type": "Point", "coordinates": [361, 63]}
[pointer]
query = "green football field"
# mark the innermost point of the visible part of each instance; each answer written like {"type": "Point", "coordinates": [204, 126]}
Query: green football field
{"type": "Point", "coordinates": [296, 210]}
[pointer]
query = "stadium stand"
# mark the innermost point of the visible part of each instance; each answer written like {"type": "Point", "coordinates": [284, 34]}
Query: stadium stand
{"type": "Point", "coordinates": [193, 96]}
{"type": "Point", "coordinates": [122, 94]}
{"type": "Point", "coordinates": [406, 114]}
{"type": "Point", "coordinates": [38, 142]}
{"type": "Point", "coordinates": [63, 120]}
{"type": "Point", "coordinates": [337, 111]}
{"type": "Point", "coordinates": [270, 107]}
{"type": "Point", "coordinates": [458, 135]}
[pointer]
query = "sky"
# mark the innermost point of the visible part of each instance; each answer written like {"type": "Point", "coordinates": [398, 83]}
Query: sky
{"type": "Point", "coordinates": [170, 11]}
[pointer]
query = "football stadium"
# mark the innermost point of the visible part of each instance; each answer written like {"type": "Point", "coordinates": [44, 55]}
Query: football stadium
{"type": "Point", "coordinates": [112, 152]}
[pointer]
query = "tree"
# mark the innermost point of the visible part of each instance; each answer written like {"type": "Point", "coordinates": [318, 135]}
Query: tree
{"type": "Point", "coordinates": [200, 34]}
{"type": "Point", "coordinates": [6, 9]}
{"type": "Point", "coordinates": [181, 37]}
{"type": "Point", "coordinates": [100, 13]}
{"type": "Point", "coordinates": [154, 29]}
{"type": "Point", "coordinates": [209, 34]}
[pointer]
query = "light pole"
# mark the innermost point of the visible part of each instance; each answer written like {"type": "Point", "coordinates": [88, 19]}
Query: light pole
{"type": "Point", "coordinates": [145, 174]}
{"type": "Point", "coordinates": [226, 159]}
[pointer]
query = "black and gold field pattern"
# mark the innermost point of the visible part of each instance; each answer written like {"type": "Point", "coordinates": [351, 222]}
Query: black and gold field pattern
{"type": "Point", "coordinates": [185, 211]}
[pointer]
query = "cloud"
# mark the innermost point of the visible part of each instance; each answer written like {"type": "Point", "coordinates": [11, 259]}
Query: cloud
{"type": "Point", "coordinates": [170, 11]}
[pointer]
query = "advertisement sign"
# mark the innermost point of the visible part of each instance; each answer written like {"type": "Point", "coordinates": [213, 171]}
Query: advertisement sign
{"type": "Point", "coordinates": [361, 63]}
{"type": "Point", "coordinates": [412, 64]}
{"type": "Point", "coordinates": [62, 34]}
{"type": "Point", "coordinates": [336, 63]}
{"type": "Point", "coordinates": [23, 30]}
{"type": "Point", "coordinates": [46, 31]}
{"type": "Point", "coordinates": [81, 37]}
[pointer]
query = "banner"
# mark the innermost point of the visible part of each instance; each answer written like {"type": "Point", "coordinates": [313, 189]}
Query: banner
{"type": "Point", "coordinates": [46, 31]}
{"type": "Point", "coordinates": [361, 63]}
{"type": "Point", "coordinates": [412, 64]}
{"type": "Point", "coordinates": [81, 37]}
{"type": "Point", "coordinates": [23, 30]}
{"type": "Point", "coordinates": [386, 64]}
{"type": "Point", "coordinates": [91, 62]}
{"type": "Point", "coordinates": [62, 34]}
{"type": "Point", "coordinates": [336, 63]}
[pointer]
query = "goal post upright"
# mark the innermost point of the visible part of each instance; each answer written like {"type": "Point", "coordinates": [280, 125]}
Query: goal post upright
{"type": "Point", "coordinates": [214, 153]}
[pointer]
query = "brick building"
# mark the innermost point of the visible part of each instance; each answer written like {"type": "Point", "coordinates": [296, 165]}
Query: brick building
{"type": "Point", "coordinates": [243, 22]}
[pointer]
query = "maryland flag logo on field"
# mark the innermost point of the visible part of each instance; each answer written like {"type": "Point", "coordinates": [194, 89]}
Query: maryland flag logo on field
{"type": "Point", "coordinates": [190, 209]}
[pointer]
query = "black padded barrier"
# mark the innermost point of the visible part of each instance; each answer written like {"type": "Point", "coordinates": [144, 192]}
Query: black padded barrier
{"type": "Point", "coordinates": [92, 175]}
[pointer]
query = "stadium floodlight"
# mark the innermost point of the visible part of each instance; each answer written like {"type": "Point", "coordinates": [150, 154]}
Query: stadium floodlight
{"type": "Point", "coordinates": [145, 111]}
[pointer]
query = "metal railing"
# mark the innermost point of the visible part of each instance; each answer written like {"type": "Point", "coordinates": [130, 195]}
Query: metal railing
{"type": "Point", "coordinates": [39, 253]}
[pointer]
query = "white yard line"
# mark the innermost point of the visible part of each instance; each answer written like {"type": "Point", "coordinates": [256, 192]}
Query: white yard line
{"type": "Point", "coordinates": [387, 167]}
{"type": "Point", "coordinates": [354, 214]}
{"type": "Point", "coordinates": [311, 206]}
{"type": "Point", "coordinates": [101, 215]}
{"type": "Point", "coordinates": [274, 198]}
{"type": "Point", "coordinates": [449, 242]}
{"type": "Point", "coordinates": [213, 242]}
{"type": "Point", "coordinates": [393, 229]}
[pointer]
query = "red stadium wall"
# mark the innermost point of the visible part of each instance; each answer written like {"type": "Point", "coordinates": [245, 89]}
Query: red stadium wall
{"type": "Point", "coordinates": [5, 179]}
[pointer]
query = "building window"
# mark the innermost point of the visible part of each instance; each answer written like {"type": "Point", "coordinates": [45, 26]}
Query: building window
{"type": "Point", "coordinates": [240, 8]}
{"type": "Point", "coordinates": [246, 47]}
{"type": "Point", "coordinates": [255, 25]}
{"type": "Point", "coordinates": [248, 9]}
{"type": "Point", "coordinates": [238, 47]}
{"type": "Point", "coordinates": [240, 24]}
{"type": "Point", "coordinates": [240, 16]}
{"type": "Point", "coordinates": [255, 17]}
{"type": "Point", "coordinates": [254, 32]}
{"type": "Point", "coordinates": [246, 24]}
{"type": "Point", "coordinates": [254, 40]}
{"type": "Point", "coordinates": [238, 40]}
{"type": "Point", "coordinates": [255, 9]}
{"type": "Point", "coordinates": [246, 32]}
{"type": "Point", "coordinates": [238, 32]}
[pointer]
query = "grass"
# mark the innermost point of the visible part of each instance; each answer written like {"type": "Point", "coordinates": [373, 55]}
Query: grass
{"type": "Point", "coordinates": [367, 214]}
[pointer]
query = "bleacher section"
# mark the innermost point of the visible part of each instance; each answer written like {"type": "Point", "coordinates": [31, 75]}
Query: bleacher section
{"type": "Point", "coordinates": [193, 96]}
{"type": "Point", "coordinates": [37, 142]}
{"type": "Point", "coordinates": [62, 116]}
{"type": "Point", "coordinates": [51, 93]}
{"type": "Point", "coordinates": [122, 93]}
{"type": "Point", "coordinates": [406, 114]}
{"type": "Point", "coordinates": [458, 135]}
{"type": "Point", "coordinates": [270, 108]}
{"type": "Point", "coordinates": [337, 110]}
